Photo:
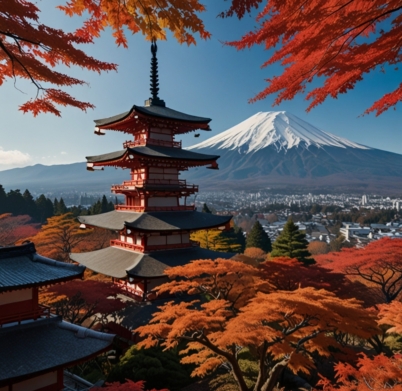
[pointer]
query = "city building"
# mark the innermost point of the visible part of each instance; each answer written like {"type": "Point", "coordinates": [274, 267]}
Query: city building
{"type": "Point", "coordinates": [156, 219]}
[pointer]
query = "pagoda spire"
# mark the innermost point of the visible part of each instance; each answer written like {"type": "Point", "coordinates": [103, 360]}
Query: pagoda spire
{"type": "Point", "coordinates": [154, 100]}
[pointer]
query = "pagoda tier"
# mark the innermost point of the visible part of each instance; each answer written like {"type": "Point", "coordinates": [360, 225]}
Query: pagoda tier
{"type": "Point", "coordinates": [145, 232]}
{"type": "Point", "coordinates": [150, 119]}
{"type": "Point", "coordinates": [140, 273]}
{"type": "Point", "coordinates": [154, 183]}
{"type": "Point", "coordinates": [33, 341]}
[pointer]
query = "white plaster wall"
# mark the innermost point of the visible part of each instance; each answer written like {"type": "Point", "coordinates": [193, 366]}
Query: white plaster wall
{"type": "Point", "coordinates": [174, 239]}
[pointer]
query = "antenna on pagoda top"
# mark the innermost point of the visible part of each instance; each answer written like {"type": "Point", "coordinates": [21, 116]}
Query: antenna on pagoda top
{"type": "Point", "coordinates": [154, 100]}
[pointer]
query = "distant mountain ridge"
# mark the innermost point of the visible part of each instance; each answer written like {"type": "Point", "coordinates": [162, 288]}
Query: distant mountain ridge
{"type": "Point", "coordinates": [272, 149]}
{"type": "Point", "coordinates": [278, 149]}
{"type": "Point", "coordinates": [61, 178]}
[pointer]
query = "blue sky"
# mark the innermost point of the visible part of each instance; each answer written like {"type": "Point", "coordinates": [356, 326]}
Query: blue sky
{"type": "Point", "coordinates": [209, 79]}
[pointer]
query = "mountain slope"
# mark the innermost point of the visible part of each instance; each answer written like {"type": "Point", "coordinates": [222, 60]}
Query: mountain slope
{"type": "Point", "coordinates": [280, 149]}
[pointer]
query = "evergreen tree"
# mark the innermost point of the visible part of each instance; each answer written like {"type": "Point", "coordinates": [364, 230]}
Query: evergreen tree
{"type": "Point", "coordinates": [62, 207]}
{"type": "Point", "coordinates": [205, 209]}
{"type": "Point", "coordinates": [30, 203]}
{"type": "Point", "coordinates": [104, 205]}
{"type": "Point", "coordinates": [56, 207]}
{"type": "Point", "coordinates": [16, 203]}
{"type": "Point", "coordinates": [257, 237]}
{"type": "Point", "coordinates": [44, 208]}
{"type": "Point", "coordinates": [3, 200]}
{"type": "Point", "coordinates": [292, 243]}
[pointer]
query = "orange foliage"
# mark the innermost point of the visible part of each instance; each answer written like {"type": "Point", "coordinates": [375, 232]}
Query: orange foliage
{"type": "Point", "coordinates": [283, 328]}
{"type": "Point", "coordinates": [378, 265]}
{"type": "Point", "coordinates": [317, 247]}
{"type": "Point", "coordinates": [150, 17]}
{"type": "Point", "coordinates": [391, 314]}
{"type": "Point", "coordinates": [378, 373]}
{"type": "Point", "coordinates": [59, 237]}
{"type": "Point", "coordinates": [330, 41]}
{"type": "Point", "coordinates": [255, 253]}
{"type": "Point", "coordinates": [16, 228]}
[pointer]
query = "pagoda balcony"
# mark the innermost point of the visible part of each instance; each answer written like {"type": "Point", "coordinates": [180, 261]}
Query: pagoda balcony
{"type": "Point", "coordinates": [162, 183]}
{"type": "Point", "coordinates": [152, 141]}
{"type": "Point", "coordinates": [40, 312]}
{"type": "Point", "coordinates": [131, 208]}
{"type": "Point", "coordinates": [129, 246]}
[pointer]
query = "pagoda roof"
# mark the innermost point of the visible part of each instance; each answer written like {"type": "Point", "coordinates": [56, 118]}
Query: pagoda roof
{"type": "Point", "coordinates": [155, 221]}
{"type": "Point", "coordinates": [120, 263]}
{"type": "Point", "coordinates": [43, 345]}
{"type": "Point", "coordinates": [21, 267]}
{"type": "Point", "coordinates": [151, 111]}
{"type": "Point", "coordinates": [152, 151]}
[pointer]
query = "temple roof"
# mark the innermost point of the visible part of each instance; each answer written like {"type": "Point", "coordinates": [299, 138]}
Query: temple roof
{"type": "Point", "coordinates": [39, 346]}
{"type": "Point", "coordinates": [155, 221]}
{"type": "Point", "coordinates": [22, 267]}
{"type": "Point", "coordinates": [119, 263]}
{"type": "Point", "coordinates": [153, 151]}
{"type": "Point", "coordinates": [152, 111]}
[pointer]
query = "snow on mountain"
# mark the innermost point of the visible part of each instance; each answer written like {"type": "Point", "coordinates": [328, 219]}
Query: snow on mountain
{"type": "Point", "coordinates": [274, 128]}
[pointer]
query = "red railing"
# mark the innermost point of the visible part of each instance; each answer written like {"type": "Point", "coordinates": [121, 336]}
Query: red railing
{"type": "Point", "coordinates": [131, 246]}
{"type": "Point", "coordinates": [155, 208]}
{"type": "Point", "coordinates": [153, 141]}
{"type": "Point", "coordinates": [131, 185]}
{"type": "Point", "coordinates": [40, 312]}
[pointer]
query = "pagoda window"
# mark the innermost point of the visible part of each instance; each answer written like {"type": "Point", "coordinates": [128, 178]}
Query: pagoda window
{"type": "Point", "coordinates": [168, 175]}
{"type": "Point", "coordinates": [161, 134]}
{"type": "Point", "coordinates": [122, 238]}
{"type": "Point", "coordinates": [162, 201]}
{"type": "Point", "coordinates": [130, 240]}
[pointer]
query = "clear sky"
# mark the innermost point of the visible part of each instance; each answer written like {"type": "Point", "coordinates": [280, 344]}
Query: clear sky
{"type": "Point", "coordinates": [209, 79]}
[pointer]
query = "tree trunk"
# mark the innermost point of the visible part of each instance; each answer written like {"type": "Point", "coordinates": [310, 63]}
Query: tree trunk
{"type": "Point", "coordinates": [274, 375]}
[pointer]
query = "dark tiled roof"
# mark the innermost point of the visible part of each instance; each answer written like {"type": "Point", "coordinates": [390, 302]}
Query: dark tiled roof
{"type": "Point", "coordinates": [153, 111]}
{"type": "Point", "coordinates": [21, 267]}
{"type": "Point", "coordinates": [117, 262]}
{"type": "Point", "coordinates": [154, 151]}
{"type": "Point", "coordinates": [46, 344]}
{"type": "Point", "coordinates": [155, 221]}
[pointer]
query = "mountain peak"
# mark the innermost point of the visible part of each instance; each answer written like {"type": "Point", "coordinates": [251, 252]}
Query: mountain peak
{"type": "Point", "coordinates": [280, 129]}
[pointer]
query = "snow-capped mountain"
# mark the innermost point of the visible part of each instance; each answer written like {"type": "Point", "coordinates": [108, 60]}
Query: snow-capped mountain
{"type": "Point", "coordinates": [279, 129]}
{"type": "Point", "coordinates": [279, 149]}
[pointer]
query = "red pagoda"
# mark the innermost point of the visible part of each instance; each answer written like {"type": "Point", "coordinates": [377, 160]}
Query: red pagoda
{"type": "Point", "coordinates": [155, 221]}
{"type": "Point", "coordinates": [35, 345]}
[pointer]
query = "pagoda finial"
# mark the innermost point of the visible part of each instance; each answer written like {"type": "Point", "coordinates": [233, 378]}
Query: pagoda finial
{"type": "Point", "coordinates": [154, 100]}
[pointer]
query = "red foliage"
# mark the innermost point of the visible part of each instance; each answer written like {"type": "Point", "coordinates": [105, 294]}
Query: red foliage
{"type": "Point", "coordinates": [332, 42]}
{"type": "Point", "coordinates": [378, 265]}
{"type": "Point", "coordinates": [16, 228]}
{"type": "Point", "coordinates": [378, 373]}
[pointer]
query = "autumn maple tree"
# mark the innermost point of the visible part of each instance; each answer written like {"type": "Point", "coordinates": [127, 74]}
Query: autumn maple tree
{"type": "Point", "coordinates": [80, 301]}
{"type": "Point", "coordinates": [16, 228]}
{"type": "Point", "coordinates": [129, 385]}
{"type": "Point", "coordinates": [378, 265]}
{"type": "Point", "coordinates": [281, 328]}
{"type": "Point", "coordinates": [59, 237]}
{"type": "Point", "coordinates": [32, 51]}
{"type": "Point", "coordinates": [330, 45]}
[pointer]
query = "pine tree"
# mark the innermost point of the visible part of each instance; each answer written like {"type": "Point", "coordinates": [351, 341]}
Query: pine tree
{"type": "Point", "coordinates": [16, 203]}
{"type": "Point", "coordinates": [3, 200]}
{"type": "Point", "coordinates": [56, 207]}
{"type": "Point", "coordinates": [205, 209]}
{"type": "Point", "coordinates": [257, 237]}
{"type": "Point", "coordinates": [104, 205]}
{"type": "Point", "coordinates": [62, 207]}
{"type": "Point", "coordinates": [292, 243]}
{"type": "Point", "coordinates": [30, 203]}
